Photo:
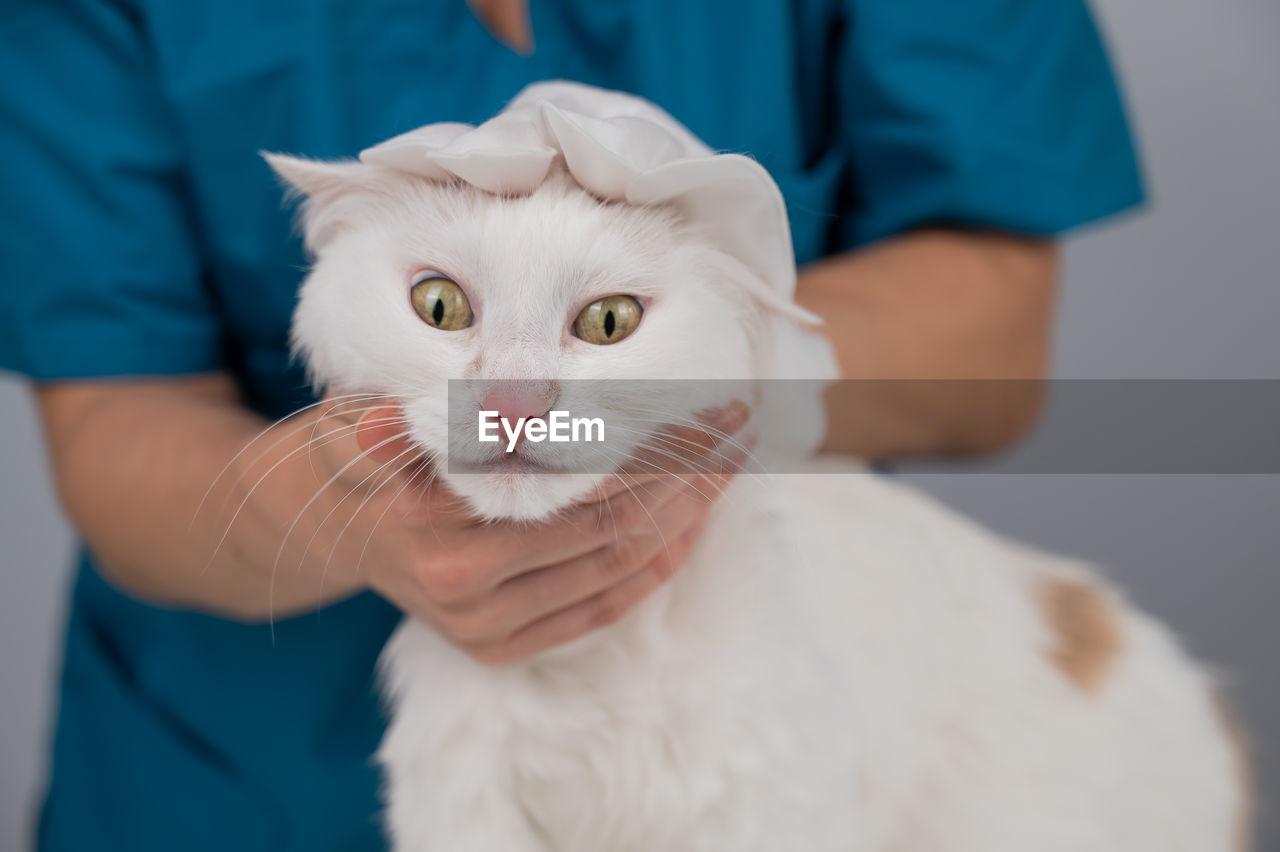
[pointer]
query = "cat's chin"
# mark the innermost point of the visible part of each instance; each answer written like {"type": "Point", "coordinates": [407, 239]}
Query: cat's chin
{"type": "Point", "coordinates": [522, 496]}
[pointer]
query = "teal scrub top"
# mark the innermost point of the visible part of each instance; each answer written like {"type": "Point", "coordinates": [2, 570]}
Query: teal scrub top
{"type": "Point", "coordinates": [145, 236]}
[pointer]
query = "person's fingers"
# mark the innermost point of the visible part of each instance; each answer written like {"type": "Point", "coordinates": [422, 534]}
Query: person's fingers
{"type": "Point", "coordinates": [682, 449]}
{"type": "Point", "coordinates": [691, 491]}
{"type": "Point", "coordinates": [528, 597]}
{"type": "Point", "coordinates": [516, 549]}
{"type": "Point", "coordinates": [659, 489]}
{"type": "Point", "coordinates": [523, 600]}
{"type": "Point", "coordinates": [599, 610]}
{"type": "Point", "coordinates": [465, 577]}
{"type": "Point", "coordinates": [730, 464]}
{"type": "Point", "coordinates": [381, 434]}
{"type": "Point", "coordinates": [691, 449]}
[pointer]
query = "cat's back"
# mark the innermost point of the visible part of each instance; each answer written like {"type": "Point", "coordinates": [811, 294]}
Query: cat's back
{"type": "Point", "coordinates": [993, 676]}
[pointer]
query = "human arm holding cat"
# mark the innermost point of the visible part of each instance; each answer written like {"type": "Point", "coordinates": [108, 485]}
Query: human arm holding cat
{"type": "Point", "coordinates": [934, 305]}
{"type": "Point", "coordinates": [134, 461]}
{"type": "Point", "coordinates": [965, 149]}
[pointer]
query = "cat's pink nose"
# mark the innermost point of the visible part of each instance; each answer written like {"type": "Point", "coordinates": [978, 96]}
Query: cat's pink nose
{"type": "Point", "coordinates": [513, 403]}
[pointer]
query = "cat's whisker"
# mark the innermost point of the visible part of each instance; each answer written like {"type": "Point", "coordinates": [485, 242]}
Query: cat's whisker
{"type": "Point", "coordinates": [394, 497]}
{"type": "Point", "coordinates": [750, 466]}
{"type": "Point", "coordinates": [253, 441]}
{"type": "Point", "coordinates": [353, 490]}
{"type": "Point", "coordinates": [634, 483]}
{"type": "Point", "coordinates": [671, 418]}
{"type": "Point", "coordinates": [643, 508]}
{"type": "Point", "coordinates": [723, 437]}
{"type": "Point", "coordinates": [653, 441]}
{"type": "Point", "coordinates": [415, 454]}
{"type": "Point", "coordinates": [240, 508]}
{"type": "Point", "coordinates": [698, 467]}
{"type": "Point", "coordinates": [431, 465]}
{"type": "Point", "coordinates": [613, 519]}
{"type": "Point", "coordinates": [324, 440]}
{"type": "Point", "coordinates": [329, 483]}
{"type": "Point", "coordinates": [603, 503]}
{"type": "Point", "coordinates": [376, 401]}
{"type": "Point", "coordinates": [659, 469]}
{"type": "Point", "coordinates": [624, 460]}
{"type": "Point", "coordinates": [721, 493]}
{"type": "Point", "coordinates": [298, 517]}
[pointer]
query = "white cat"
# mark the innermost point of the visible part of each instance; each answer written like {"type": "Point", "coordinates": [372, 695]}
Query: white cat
{"type": "Point", "coordinates": [841, 666]}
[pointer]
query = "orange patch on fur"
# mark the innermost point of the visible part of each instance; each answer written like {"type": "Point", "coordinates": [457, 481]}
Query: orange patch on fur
{"type": "Point", "coordinates": [1086, 629]}
{"type": "Point", "coordinates": [1244, 773]}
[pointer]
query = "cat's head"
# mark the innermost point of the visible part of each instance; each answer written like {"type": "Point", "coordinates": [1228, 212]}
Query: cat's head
{"type": "Point", "coordinates": [549, 300]}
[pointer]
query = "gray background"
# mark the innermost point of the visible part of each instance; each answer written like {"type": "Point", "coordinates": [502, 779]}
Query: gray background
{"type": "Point", "coordinates": [1189, 289]}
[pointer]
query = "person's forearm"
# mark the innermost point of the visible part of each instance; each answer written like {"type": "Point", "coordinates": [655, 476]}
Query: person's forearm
{"type": "Point", "coordinates": [134, 461]}
{"type": "Point", "coordinates": [934, 305]}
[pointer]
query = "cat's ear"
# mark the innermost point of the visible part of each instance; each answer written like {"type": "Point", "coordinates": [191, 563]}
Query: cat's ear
{"type": "Point", "coordinates": [323, 184]}
{"type": "Point", "coordinates": [318, 180]}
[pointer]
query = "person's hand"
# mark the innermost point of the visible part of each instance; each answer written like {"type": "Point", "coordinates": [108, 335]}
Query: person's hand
{"type": "Point", "coordinates": [505, 591]}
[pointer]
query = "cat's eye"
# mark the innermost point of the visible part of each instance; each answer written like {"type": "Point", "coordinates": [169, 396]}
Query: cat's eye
{"type": "Point", "coordinates": [441, 303]}
{"type": "Point", "coordinates": [608, 320]}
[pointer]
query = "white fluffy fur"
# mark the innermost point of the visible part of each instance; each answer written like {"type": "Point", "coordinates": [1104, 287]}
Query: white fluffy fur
{"type": "Point", "coordinates": [842, 665]}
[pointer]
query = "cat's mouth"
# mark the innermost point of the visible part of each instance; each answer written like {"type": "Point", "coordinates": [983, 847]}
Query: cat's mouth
{"type": "Point", "coordinates": [510, 463]}
{"type": "Point", "coordinates": [503, 464]}
{"type": "Point", "coordinates": [515, 485]}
